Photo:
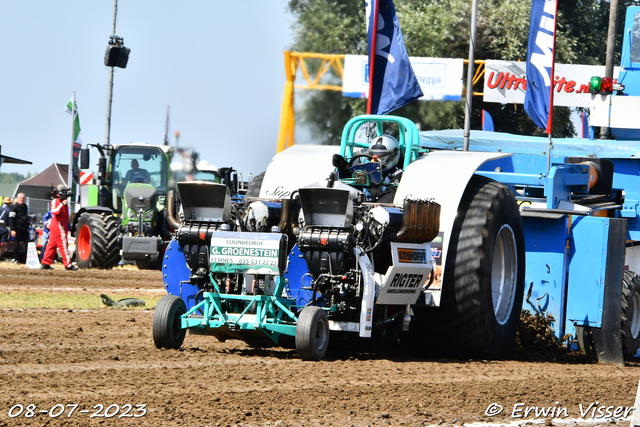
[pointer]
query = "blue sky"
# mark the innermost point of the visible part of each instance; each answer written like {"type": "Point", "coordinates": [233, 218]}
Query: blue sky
{"type": "Point", "coordinates": [218, 65]}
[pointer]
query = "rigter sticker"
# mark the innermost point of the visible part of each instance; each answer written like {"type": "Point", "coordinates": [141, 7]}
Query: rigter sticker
{"type": "Point", "coordinates": [408, 274]}
{"type": "Point", "coordinates": [247, 253]}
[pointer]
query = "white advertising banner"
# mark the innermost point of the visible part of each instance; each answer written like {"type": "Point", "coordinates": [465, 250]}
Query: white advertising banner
{"type": "Point", "coordinates": [440, 79]}
{"type": "Point", "coordinates": [505, 82]}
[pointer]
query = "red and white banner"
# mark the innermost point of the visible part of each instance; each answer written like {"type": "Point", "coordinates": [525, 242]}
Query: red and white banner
{"type": "Point", "coordinates": [86, 178]}
{"type": "Point", "coordinates": [505, 82]}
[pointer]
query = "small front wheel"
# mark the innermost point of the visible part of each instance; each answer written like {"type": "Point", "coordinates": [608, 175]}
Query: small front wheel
{"type": "Point", "coordinates": [312, 333]}
{"type": "Point", "coordinates": [167, 331]}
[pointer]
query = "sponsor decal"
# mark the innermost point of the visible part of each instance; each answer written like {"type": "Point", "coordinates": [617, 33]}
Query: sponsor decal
{"type": "Point", "coordinates": [278, 192]}
{"type": "Point", "coordinates": [246, 252]}
{"type": "Point", "coordinates": [415, 256]}
{"type": "Point", "coordinates": [404, 283]}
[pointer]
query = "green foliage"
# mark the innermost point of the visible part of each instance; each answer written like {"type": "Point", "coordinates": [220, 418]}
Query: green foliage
{"type": "Point", "coordinates": [13, 177]}
{"type": "Point", "coordinates": [440, 28]}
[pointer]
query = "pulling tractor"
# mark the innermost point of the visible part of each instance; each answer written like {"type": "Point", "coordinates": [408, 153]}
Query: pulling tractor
{"type": "Point", "coordinates": [464, 243]}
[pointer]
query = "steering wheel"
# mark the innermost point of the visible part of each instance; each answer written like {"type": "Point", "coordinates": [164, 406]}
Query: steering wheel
{"type": "Point", "coordinates": [357, 156]}
{"type": "Point", "coordinates": [138, 177]}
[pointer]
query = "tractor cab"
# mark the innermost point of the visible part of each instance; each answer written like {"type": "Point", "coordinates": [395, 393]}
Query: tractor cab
{"type": "Point", "coordinates": [138, 175]}
{"type": "Point", "coordinates": [138, 164]}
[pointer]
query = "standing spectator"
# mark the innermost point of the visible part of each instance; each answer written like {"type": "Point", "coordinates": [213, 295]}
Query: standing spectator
{"type": "Point", "coordinates": [19, 223]}
{"type": "Point", "coordinates": [58, 232]}
{"type": "Point", "coordinates": [5, 209]}
{"type": "Point", "coordinates": [46, 219]}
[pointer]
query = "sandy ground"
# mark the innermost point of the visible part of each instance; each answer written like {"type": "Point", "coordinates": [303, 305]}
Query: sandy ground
{"type": "Point", "coordinates": [102, 365]}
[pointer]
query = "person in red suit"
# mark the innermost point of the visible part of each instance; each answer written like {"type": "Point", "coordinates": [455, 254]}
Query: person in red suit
{"type": "Point", "coordinates": [58, 231]}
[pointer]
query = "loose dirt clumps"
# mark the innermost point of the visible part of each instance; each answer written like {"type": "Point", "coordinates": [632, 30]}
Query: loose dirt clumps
{"type": "Point", "coordinates": [104, 361]}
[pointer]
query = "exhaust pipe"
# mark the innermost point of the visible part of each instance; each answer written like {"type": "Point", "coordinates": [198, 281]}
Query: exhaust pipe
{"type": "Point", "coordinates": [172, 222]}
{"type": "Point", "coordinates": [408, 211]}
{"type": "Point", "coordinates": [420, 221]}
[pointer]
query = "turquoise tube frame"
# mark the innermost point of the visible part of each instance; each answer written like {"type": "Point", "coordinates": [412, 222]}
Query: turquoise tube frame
{"type": "Point", "coordinates": [408, 138]}
{"type": "Point", "coordinates": [274, 315]}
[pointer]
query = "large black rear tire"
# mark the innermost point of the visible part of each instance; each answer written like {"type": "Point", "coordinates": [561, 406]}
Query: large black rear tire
{"type": "Point", "coordinates": [97, 241]}
{"type": "Point", "coordinates": [167, 332]}
{"type": "Point", "coordinates": [630, 313]}
{"type": "Point", "coordinates": [483, 282]}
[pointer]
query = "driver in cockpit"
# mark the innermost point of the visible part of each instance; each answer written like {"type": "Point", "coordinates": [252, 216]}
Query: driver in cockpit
{"type": "Point", "coordinates": [135, 174]}
{"type": "Point", "coordinates": [387, 150]}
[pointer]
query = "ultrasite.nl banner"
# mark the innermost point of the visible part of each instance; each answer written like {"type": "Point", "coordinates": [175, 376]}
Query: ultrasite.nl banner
{"type": "Point", "coordinates": [505, 82]}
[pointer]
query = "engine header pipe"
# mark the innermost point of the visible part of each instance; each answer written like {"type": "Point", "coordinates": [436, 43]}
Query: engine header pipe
{"type": "Point", "coordinates": [171, 211]}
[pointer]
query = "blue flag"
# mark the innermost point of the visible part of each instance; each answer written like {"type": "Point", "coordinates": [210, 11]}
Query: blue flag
{"type": "Point", "coordinates": [392, 82]}
{"type": "Point", "coordinates": [487, 121]}
{"type": "Point", "coordinates": [540, 61]}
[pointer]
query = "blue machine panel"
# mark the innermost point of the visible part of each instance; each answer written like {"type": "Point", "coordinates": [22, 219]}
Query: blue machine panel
{"type": "Point", "coordinates": [587, 271]}
{"type": "Point", "coordinates": [298, 277]}
{"type": "Point", "coordinates": [546, 248]}
{"type": "Point", "coordinates": [175, 275]}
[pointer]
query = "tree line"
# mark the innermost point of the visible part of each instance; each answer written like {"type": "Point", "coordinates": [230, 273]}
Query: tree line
{"type": "Point", "coordinates": [14, 177]}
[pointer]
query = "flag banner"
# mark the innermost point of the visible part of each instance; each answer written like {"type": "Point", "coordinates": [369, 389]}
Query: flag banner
{"type": "Point", "coordinates": [585, 125]}
{"type": "Point", "coordinates": [441, 79]}
{"type": "Point", "coordinates": [487, 121]}
{"type": "Point", "coordinates": [540, 57]}
{"type": "Point", "coordinates": [72, 108]}
{"type": "Point", "coordinates": [393, 82]}
{"type": "Point", "coordinates": [505, 82]}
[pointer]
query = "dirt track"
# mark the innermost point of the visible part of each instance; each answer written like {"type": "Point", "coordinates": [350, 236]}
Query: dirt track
{"type": "Point", "coordinates": [107, 357]}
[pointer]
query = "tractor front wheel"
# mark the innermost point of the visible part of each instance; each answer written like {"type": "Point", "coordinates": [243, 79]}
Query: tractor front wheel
{"type": "Point", "coordinates": [312, 333]}
{"type": "Point", "coordinates": [97, 241]}
{"type": "Point", "coordinates": [167, 330]}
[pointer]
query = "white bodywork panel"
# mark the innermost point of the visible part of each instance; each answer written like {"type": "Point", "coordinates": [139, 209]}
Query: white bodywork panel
{"type": "Point", "coordinates": [614, 111]}
{"type": "Point", "coordinates": [442, 176]}
{"type": "Point", "coordinates": [368, 292]}
{"type": "Point", "coordinates": [296, 167]}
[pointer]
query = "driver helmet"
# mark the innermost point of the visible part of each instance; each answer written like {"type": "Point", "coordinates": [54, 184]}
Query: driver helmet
{"type": "Point", "coordinates": [387, 149]}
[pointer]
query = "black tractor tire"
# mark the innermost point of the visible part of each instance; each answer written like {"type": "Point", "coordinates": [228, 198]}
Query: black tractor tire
{"type": "Point", "coordinates": [254, 187]}
{"type": "Point", "coordinates": [167, 332]}
{"type": "Point", "coordinates": [97, 241]}
{"type": "Point", "coordinates": [483, 282]}
{"type": "Point", "coordinates": [630, 314]}
{"type": "Point", "coordinates": [312, 333]}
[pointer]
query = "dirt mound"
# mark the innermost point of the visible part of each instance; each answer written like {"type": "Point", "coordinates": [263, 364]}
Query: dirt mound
{"type": "Point", "coordinates": [536, 341]}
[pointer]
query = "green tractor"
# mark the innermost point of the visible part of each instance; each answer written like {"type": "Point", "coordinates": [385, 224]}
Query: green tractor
{"type": "Point", "coordinates": [125, 215]}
